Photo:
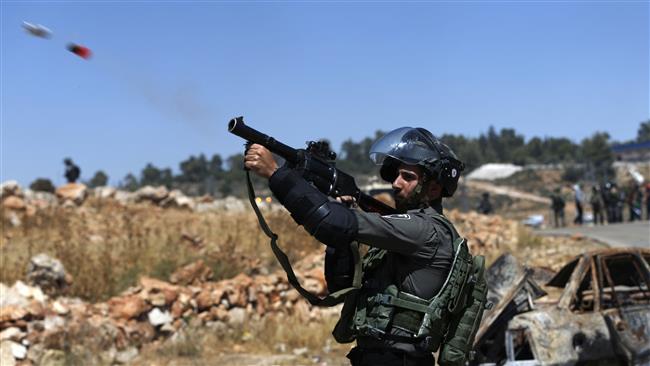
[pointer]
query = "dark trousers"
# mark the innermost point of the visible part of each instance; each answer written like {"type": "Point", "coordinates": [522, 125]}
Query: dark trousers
{"type": "Point", "coordinates": [578, 219]}
{"type": "Point", "coordinates": [598, 214]}
{"type": "Point", "coordinates": [558, 216]}
{"type": "Point", "coordinates": [387, 357]}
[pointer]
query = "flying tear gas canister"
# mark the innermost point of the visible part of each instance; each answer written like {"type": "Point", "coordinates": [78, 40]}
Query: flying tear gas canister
{"type": "Point", "coordinates": [37, 30]}
{"type": "Point", "coordinates": [79, 50]}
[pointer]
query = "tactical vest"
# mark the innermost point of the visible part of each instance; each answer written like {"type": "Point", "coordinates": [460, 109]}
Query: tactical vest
{"type": "Point", "coordinates": [374, 311]}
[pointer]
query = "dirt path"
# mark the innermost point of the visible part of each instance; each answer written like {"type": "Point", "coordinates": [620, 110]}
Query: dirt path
{"type": "Point", "coordinates": [507, 191]}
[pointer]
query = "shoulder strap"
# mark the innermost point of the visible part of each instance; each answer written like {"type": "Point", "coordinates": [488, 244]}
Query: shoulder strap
{"type": "Point", "coordinates": [331, 299]}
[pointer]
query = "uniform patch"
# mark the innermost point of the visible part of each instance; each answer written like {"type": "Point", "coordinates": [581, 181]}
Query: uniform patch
{"type": "Point", "coordinates": [398, 216]}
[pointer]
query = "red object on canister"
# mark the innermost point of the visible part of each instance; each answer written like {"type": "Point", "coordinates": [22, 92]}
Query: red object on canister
{"type": "Point", "coordinates": [79, 50]}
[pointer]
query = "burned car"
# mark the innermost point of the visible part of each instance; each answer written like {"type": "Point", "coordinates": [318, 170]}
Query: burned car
{"type": "Point", "coordinates": [594, 311]}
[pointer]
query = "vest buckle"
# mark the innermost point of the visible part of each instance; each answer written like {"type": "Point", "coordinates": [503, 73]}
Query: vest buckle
{"type": "Point", "coordinates": [375, 333]}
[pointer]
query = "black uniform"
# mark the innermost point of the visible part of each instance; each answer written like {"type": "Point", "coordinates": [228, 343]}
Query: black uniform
{"type": "Point", "coordinates": [485, 206]}
{"type": "Point", "coordinates": [72, 172]}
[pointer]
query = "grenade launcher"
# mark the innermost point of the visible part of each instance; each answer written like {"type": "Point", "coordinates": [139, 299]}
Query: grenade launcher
{"type": "Point", "coordinates": [317, 165]}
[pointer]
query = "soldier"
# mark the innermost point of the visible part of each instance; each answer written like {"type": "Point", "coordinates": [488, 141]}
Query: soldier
{"type": "Point", "coordinates": [647, 201]}
{"type": "Point", "coordinates": [485, 206]}
{"type": "Point", "coordinates": [72, 171]}
{"type": "Point", "coordinates": [596, 205]}
{"type": "Point", "coordinates": [609, 198]}
{"type": "Point", "coordinates": [557, 205]}
{"type": "Point", "coordinates": [411, 252]}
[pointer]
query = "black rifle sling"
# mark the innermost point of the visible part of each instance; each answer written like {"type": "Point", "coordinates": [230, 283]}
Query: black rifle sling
{"type": "Point", "coordinates": [331, 299]}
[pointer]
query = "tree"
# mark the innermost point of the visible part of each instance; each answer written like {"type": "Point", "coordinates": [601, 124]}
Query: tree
{"type": "Point", "coordinates": [150, 175]}
{"type": "Point", "coordinates": [597, 153]}
{"type": "Point", "coordinates": [643, 134]}
{"type": "Point", "coordinates": [354, 158]}
{"type": "Point", "coordinates": [99, 179]}
{"type": "Point", "coordinates": [508, 144]}
{"type": "Point", "coordinates": [42, 185]}
{"type": "Point", "coordinates": [194, 169]}
{"type": "Point", "coordinates": [130, 183]}
{"type": "Point", "coordinates": [166, 177]}
{"type": "Point", "coordinates": [215, 166]}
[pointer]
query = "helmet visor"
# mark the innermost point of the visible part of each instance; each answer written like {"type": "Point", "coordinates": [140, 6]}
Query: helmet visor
{"type": "Point", "coordinates": [408, 145]}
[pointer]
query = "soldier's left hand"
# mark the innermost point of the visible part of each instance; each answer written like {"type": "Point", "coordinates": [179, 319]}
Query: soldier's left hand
{"type": "Point", "coordinates": [260, 161]}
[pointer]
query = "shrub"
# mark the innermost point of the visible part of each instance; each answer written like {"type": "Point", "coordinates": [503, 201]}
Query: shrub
{"type": "Point", "coordinates": [42, 185]}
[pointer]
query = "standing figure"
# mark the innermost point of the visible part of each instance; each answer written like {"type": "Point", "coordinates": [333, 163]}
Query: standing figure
{"type": "Point", "coordinates": [557, 205]}
{"type": "Point", "coordinates": [72, 171]}
{"type": "Point", "coordinates": [619, 202]}
{"type": "Point", "coordinates": [610, 198]}
{"type": "Point", "coordinates": [596, 201]}
{"type": "Point", "coordinates": [647, 201]}
{"type": "Point", "coordinates": [635, 201]}
{"type": "Point", "coordinates": [485, 206]}
{"type": "Point", "coordinates": [578, 199]}
{"type": "Point", "coordinates": [411, 253]}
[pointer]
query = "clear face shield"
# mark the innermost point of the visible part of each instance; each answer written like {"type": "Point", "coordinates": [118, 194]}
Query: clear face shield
{"type": "Point", "coordinates": [408, 145]}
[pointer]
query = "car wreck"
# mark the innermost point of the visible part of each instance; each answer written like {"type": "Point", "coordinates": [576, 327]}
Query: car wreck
{"type": "Point", "coordinates": [594, 311]}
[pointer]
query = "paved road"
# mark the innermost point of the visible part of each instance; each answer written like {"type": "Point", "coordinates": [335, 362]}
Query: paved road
{"type": "Point", "coordinates": [635, 234]}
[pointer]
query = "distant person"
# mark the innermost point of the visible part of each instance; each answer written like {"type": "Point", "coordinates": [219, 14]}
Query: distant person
{"type": "Point", "coordinates": [635, 201]}
{"type": "Point", "coordinates": [578, 199]}
{"type": "Point", "coordinates": [618, 200]}
{"type": "Point", "coordinates": [485, 207]}
{"type": "Point", "coordinates": [610, 198]}
{"type": "Point", "coordinates": [72, 171]}
{"type": "Point", "coordinates": [647, 201]}
{"type": "Point", "coordinates": [557, 205]}
{"type": "Point", "coordinates": [596, 201]}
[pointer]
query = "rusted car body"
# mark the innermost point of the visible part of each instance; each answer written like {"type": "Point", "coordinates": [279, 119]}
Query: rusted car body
{"type": "Point", "coordinates": [594, 311]}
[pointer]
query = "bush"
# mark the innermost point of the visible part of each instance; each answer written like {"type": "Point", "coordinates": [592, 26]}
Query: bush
{"type": "Point", "coordinates": [99, 179]}
{"type": "Point", "coordinates": [573, 174]}
{"type": "Point", "coordinates": [42, 185]}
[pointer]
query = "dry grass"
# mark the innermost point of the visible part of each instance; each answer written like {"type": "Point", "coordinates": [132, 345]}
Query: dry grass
{"type": "Point", "coordinates": [275, 336]}
{"type": "Point", "coordinates": [106, 246]}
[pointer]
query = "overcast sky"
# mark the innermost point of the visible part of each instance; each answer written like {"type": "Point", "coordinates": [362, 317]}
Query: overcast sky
{"type": "Point", "coordinates": [165, 77]}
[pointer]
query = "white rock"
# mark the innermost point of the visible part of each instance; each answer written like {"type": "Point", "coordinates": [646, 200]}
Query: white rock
{"type": "Point", "coordinates": [14, 220]}
{"type": "Point", "coordinates": [236, 316]}
{"type": "Point", "coordinates": [300, 351]}
{"type": "Point", "coordinates": [29, 292]}
{"type": "Point", "coordinates": [60, 308]}
{"type": "Point", "coordinates": [124, 197]}
{"type": "Point", "coordinates": [12, 333]}
{"type": "Point", "coordinates": [157, 317]}
{"type": "Point", "coordinates": [126, 355]}
{"type": "Point", "coordinates": [46, 272]}
{"type": "Point", "coordinates": [48, 198]}
{"type": "Point", "coordinates": [52, 322]}
{"type": "Point", "coordinates": [493, 171]}
{"type": "Point", "coordinates": [149, 193]}
{"type": "Point", "coordinates": [104, 192]}
{"type": "Point", "coordinates": [18, 350]}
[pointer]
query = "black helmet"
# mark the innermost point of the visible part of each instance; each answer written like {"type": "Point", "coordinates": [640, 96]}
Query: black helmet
{"type": "Point", "coordinates": [417, 146]}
